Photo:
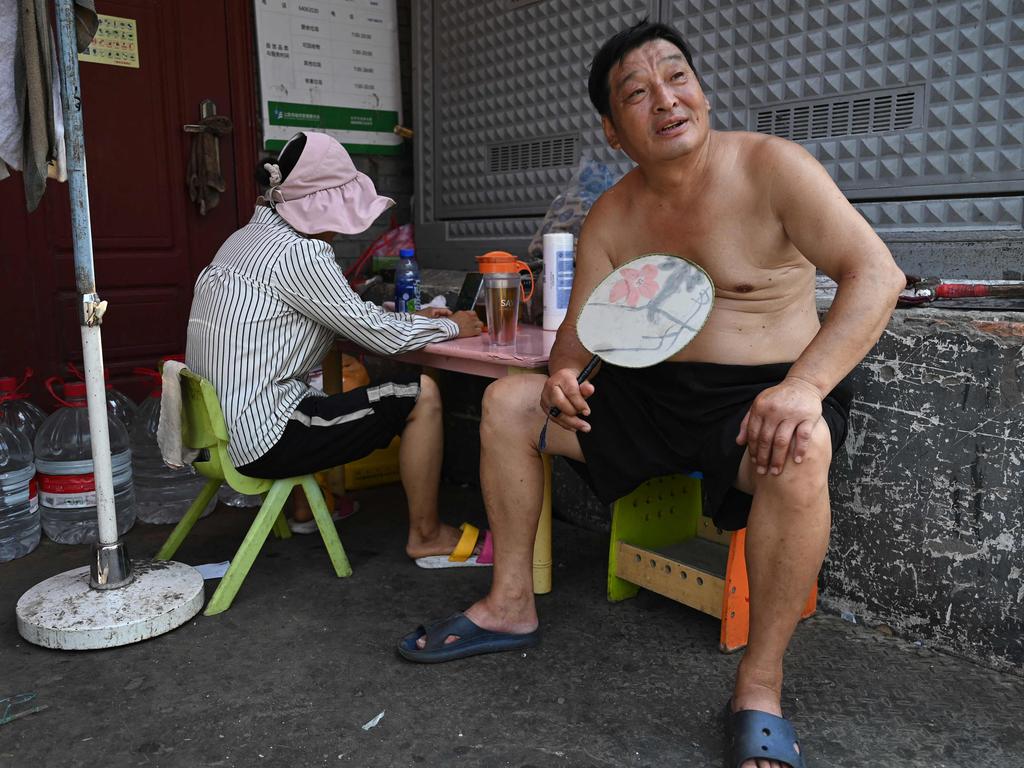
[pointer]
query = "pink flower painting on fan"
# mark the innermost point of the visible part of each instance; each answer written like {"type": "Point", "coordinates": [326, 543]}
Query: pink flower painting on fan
{"type": "Point", "coordinates": [635, 283]}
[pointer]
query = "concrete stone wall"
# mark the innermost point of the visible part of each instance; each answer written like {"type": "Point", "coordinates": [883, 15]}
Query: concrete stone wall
{"type": "Point", "coordinates": [927, 493]}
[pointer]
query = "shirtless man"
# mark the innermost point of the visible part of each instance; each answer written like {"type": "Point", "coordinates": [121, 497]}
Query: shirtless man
{"type": "Point", "coordinates": [756, 401]}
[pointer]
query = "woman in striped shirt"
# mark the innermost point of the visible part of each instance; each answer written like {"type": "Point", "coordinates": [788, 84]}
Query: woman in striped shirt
{"type": "Point", "coordinates": [271, 304]}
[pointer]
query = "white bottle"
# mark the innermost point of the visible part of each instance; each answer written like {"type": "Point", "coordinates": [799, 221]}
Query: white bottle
{"type": "Point", "coordinates": [559, 267]}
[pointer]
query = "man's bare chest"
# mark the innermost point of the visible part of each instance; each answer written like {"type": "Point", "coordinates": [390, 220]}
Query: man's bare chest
{"type": "Point", "coordinates": [739, 251]}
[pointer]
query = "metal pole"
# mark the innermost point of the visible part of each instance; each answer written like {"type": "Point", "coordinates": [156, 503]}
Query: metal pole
{"type": "Point", "coordinates": [110, 565]}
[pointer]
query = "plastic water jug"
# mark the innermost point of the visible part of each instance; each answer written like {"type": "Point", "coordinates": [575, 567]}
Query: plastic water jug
{"type": "Point", "coordinates": [67, 487]}
{"type": "Point", "coordinates": [19, 507]}
{"type": "Point", "coordinates": [162, 494]}
{"type": "Point", "coordinates": [16, 410]}
{"type": "Point", "coordinates": [118, 403]}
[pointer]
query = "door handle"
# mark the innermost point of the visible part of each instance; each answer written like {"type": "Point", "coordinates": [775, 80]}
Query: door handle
{"type": "Point", "coordinates": [203, 178]}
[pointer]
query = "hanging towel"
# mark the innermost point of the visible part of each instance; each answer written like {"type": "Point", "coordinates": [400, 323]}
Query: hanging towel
{"type": "Point", "coordinates": [10, 109]}
{"type": "Point", "coordinates": [168, 431]}
{"type": "Point", "coordinates": [86, 23]}
{"type": "Point", "coordinates": [57, 168]}
{"type": "Point", "coordinates": [35, 81]}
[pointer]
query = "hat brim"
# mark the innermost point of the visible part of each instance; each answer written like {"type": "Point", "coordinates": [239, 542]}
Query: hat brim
{"type": "Point", "coordinates": [348, 209]}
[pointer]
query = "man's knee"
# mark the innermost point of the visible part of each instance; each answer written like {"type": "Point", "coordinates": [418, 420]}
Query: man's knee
{"type": "Point", "coordinates": [807, 480]}
{"type": "Point", "coordinates": [818, 457]}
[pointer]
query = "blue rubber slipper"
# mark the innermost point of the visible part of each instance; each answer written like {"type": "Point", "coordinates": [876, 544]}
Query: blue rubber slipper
{"type": "Point", "coordinates": [472, 640]}
{"type": "Point", "coordinates": [755, 735]}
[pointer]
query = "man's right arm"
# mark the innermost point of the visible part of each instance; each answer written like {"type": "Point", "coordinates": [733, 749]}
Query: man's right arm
{"type": "Point", "coordinates": [568, 356]}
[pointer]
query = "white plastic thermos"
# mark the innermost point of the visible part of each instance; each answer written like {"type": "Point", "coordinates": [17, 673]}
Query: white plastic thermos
{"type": "Point", "coordinates": [558, 272]}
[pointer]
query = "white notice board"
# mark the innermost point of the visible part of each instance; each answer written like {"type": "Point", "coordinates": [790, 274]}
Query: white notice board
{"type": "Point", "coordinates": [330, 65]}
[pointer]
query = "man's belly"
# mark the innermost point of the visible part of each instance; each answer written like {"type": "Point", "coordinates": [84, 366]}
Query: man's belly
{"type": "Point", "coordinates": [748, 338]}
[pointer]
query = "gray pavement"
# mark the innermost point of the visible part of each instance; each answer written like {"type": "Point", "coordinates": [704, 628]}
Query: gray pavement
{"type": "Point", "coordinates": [289, 675]}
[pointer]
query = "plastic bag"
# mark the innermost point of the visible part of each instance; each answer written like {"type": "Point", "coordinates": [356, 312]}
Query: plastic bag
{"type": "Point", "coordinates": [570, 207]}
{"type": "Point", "coordinates": [386, 246]}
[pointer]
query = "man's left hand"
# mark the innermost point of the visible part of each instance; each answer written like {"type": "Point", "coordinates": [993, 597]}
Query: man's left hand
{"type": "Point", "coordinates": [433, 312]}
{"type": "Point", "coordinates": [779, 424]}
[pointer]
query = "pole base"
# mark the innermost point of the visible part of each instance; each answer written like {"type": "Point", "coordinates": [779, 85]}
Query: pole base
{"type": "Point", "coordinates": [110, 567]}
{"type": "Point", "coordinates": [65, 613]}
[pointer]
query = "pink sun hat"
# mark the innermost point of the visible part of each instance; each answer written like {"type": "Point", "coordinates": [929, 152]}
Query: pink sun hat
{"type": "Point", "coordinates": [324, 192]}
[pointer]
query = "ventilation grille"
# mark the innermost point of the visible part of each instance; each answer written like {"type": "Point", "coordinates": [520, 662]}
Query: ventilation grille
{"type": "Point", "coordinates": [881, 112]}
{"type": "Point", "coordinates": [550, 152]}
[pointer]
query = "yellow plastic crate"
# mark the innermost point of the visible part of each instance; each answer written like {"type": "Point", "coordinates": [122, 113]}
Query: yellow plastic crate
{"type": "Point", "coordinates": [379, 468]}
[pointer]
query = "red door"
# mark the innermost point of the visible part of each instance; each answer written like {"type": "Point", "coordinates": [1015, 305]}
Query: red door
{"type": "Point", "coordinates": [149, 240]}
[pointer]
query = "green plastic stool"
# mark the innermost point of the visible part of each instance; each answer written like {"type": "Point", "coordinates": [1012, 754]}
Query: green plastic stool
{"type": "Point", "coordinates": [660, 541]}
{"type": "Point", "coordinates": [662, 511]}
{"type": "Point", "coordinates": [203, 429]}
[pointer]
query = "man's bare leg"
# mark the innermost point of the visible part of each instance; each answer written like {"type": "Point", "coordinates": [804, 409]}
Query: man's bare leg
{"type": "Point", "coordinates": [419, 465]}
{"type": "Point", "coordinates": [787, 536]}
{"type": "Point", "coordinates": [512, 477]}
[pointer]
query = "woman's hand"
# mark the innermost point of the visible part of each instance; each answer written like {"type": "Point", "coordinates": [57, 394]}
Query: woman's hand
{"type": "Point", "coordinates": [433, 312]}
{"type": "Point", "coordinates": [469, 324]}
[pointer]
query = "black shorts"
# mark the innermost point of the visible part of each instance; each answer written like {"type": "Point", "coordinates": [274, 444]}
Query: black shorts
{"type": "Point", "coordinates": [326, 432]}
{"type": "Point", "coordinates": [682, 417]}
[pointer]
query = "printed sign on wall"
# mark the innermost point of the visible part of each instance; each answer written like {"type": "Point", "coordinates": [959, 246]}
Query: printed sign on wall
{"type": "Point", "coordinates": [330, 65]}
{"type": "Point", "coordinates": [116, 43]}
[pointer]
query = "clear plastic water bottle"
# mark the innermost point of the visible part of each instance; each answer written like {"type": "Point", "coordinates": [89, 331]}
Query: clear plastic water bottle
{"type": "Point", "coordinates": [67, 487]}
{"type": "Point", "coordinates": [407, 282]}
{"type": "Point", "coordinates": [118, 403]}
{"type": "Point", "coordinates": [19, 508]}
{"type": "Point", "coordinates": [16, 411]}
{"type": "Point", "coordinates": [162, 495]}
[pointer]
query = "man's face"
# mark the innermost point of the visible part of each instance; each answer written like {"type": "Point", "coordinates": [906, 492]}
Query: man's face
{"type": "Point", "coordinates": [658, 109]}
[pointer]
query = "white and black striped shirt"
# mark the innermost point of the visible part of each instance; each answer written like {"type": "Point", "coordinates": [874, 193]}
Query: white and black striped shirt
{"type": "Point", "coordinates": [264, 314]}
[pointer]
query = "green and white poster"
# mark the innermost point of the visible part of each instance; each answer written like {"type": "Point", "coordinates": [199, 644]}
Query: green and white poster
{"type": "Point", "coordinates": [330, 65]}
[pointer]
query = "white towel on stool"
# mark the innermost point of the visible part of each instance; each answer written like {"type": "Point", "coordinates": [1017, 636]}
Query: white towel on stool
{"type": "Point", "coordinates": [168, 431]}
